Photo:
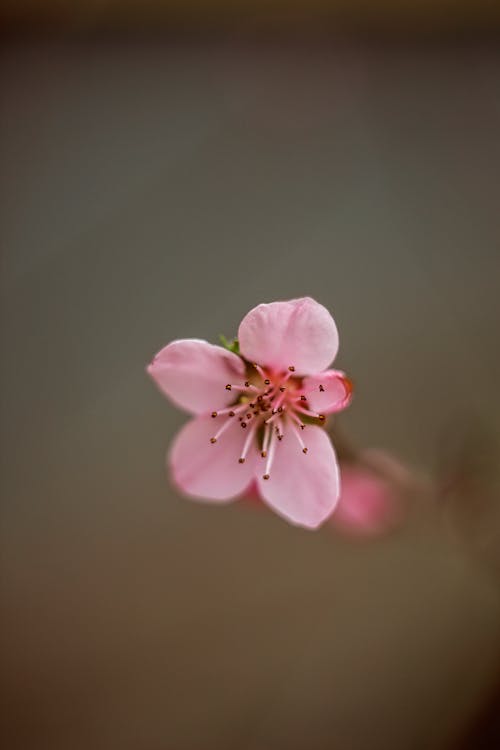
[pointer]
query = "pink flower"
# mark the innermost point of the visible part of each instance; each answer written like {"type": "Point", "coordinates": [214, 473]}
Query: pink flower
{"type": "Point", "coordinates": [260, 413]}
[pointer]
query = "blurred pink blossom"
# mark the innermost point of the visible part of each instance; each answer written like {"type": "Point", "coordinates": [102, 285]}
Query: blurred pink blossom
{"type": "Point", "coordinates": [370, 503]}
{"type": "Point", "coordinates": [259, 409]}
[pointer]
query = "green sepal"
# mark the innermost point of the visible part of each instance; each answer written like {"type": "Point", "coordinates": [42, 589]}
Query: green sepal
{"type": "Point", "coordinates": [231, 346]}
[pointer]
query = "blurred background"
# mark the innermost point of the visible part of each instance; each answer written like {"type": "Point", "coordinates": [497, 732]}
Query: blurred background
{"type": "Point", "coordinates": [166, 167]}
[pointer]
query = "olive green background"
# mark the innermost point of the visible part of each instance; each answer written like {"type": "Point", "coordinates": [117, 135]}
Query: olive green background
{"type": "Point", "coordinates": [153, 190]}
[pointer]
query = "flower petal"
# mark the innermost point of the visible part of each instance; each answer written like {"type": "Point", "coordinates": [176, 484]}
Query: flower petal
{"type": "Point", "coordinates": [368, 503]}
{"type": "Point", "coordinates": [194, 373]}
{"type": "Point", "coordinates": [211, 470]}
{"type": "Point", "coordinates": [328, 392]}
{"type": "Point", "coordinates": [300, 332]}
{"type": "Point", "coordinates": [303, 488]}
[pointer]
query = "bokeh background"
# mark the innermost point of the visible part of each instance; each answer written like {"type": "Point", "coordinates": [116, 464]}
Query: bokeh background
{"type": "Point", "coordinates": [166, 167]}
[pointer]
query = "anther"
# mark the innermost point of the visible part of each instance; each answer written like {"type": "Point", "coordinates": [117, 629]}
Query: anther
{"type": "Point", "coordinates": [321, 388]}
{"type": "Point", "coordinates": [282, 388]}
{"type": "Point", "coordinates": [280, 409]}
{"type": "Point", "coordinates": [214, 414]}
{"type": "Point", "coordinates": [265, 476]}
{"type": "Point", "coordinates": [241, 460]}
{"type": "Point", "coordinates": [228, 387]}
{"type": "Point", "coordinates": [213, 440]}
{"type": "Point", "coordinates": [249, 415]}
{"type": "Point", "coordinates": [267, 381]}
{"type": "Point", "coordinates": [321, 417]}
{"type": "Point", "coordinates": [303, 398]}
{"type": "Point", "coordinates": [260, 398]}
{"type": "Point", "coordinates": [263, 454]}
{"type": "Point", "coordinates": [291, 368]}
{"type": "Point", "coordinates": [231, 413]}
{"type": "Point", "coordinates": [304, 450]}
{"type": "Point", "coordinates": [280, 437]}
{"type": "Point", "coordinates": [247, 384]}
{"type": "Point", "coordinates": [243, 424]}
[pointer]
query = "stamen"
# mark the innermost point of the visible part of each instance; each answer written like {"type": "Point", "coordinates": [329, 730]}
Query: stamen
{"type": "Point", "coordinates": [275, 415]}
{"type": "Point", "coordinates": [309, 413]}
{"type": "Point", "coordinates": [312, 390]}
{"type": "Point", "coordinates": [265, 442]}
{"type": "Point", "coordinates": [287, 375]}
{"type": "Point", "coordinates": [269, 395]}
{"type": "Point", "coordinates": [234, 387]}
{"type": "Point", "coordinates": [291, 368]}
{"type": "Point", "coordinates": [299, 438]}
{"type": "Point", "coordinates": [248, 442]}
{"type": "Point", "coordinates": [277, 406]}
{"type": "Point", "coordinates": [221, 429]}
{"type": "Point", "coordinates": [259, 370]}
{"type": "Point", "coordinates": [214, 414]}
{"type": "Point", "coordinates": [231, 411]}
{"type": "Point", "coordinates": [270, 457]}
{"type": "Point", "coordinates": [296, 419]}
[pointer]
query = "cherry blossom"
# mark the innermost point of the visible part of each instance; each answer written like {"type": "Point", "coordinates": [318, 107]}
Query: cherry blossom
{"type": "Point", "coordinates": [259, 411]}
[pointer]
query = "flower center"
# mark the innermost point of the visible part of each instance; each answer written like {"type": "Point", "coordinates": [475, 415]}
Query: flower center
{"type": "Point", "coordinates": [269, 406]}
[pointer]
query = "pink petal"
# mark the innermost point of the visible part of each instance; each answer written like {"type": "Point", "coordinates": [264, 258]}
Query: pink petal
{"type": "Point", "coordinates": [337, 393]}
{"type": "Point", "coordinates": [194, 374]}
{"type": "Point", "coordinates": [303, 488]}
{"type": "Point", "coordinates": [368, 503]}
{"type": "Point", "coordinates": [301, 333]}
{"type": "Point", "coordinates": [211, 471]}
